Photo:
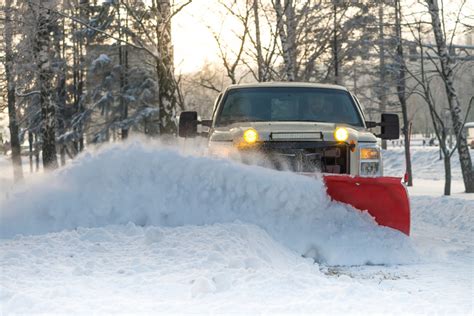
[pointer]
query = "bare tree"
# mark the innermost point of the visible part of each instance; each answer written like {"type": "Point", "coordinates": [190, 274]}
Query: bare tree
{"type": "Point", "coordinates": [256, 55]}
{"type": "Point", "coordinates": [445, 70]}
{"type": "Point", "coordinates": [427, 82]}
{"type": "Point", "coordinates": [232, 59]}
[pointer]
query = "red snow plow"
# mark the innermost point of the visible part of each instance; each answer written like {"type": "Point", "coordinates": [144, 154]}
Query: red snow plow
{"type": "Point", "coordinates": [384, 198]}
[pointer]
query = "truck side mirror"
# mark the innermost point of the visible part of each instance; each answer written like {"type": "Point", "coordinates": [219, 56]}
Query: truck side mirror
{"type": "Point", "coordinates": [390, 126]}
{"type": "Point", "coordinates": [188, 122]}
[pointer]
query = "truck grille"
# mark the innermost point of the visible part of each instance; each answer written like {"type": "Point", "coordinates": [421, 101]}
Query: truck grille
{"type": "Point", "coordinates": [328, 157]}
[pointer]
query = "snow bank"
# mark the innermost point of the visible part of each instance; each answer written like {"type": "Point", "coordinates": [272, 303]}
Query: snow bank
{"type": "Point", "coordinates": [444, 212]}
{"type": "Point", "coordinates": [158, 186]}
{"type": "Point", "coordinates": [138, 264]}
{"type": "Point", "coordinates": [425, 163]}
{"type": "Point", "coordinates": [228, 268]}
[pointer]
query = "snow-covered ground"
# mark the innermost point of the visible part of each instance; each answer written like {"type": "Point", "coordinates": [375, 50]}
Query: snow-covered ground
{"type": "Point", "coordinates": [428, 171]}
{"type": "Point", "coordinates": [145, 228]}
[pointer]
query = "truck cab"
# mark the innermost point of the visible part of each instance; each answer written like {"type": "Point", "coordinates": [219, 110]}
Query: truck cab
{"type": "Point", "coordinates": [300, 127]}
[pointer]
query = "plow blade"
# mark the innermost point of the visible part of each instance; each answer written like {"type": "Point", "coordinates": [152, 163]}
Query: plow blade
{"type": "Point", "coordinates": [384, 198]}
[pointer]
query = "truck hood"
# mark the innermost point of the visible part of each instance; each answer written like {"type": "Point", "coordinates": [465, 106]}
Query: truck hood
{"type": "Point", "coordinates": [264, 129]}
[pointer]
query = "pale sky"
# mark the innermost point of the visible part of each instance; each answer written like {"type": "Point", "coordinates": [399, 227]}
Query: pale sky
{"type": "Point", "coordinates": [189, 34]}
{"type": "Point", "coordinates": [192, 29]}
{"type": "Point", "coordinates": [194, 43]}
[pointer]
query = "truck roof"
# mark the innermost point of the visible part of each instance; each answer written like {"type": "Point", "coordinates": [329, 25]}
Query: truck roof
{"type": "Point", "coordinates": [287, 85]}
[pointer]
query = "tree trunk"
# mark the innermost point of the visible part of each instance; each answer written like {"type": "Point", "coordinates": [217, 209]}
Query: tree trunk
{"type": "Point", "coordinates": [45, 77]}
{"type": "Point", "coordinates": [406, 135]}
{"type": "Point", "coordinates": [30, 150]}
{"type": "Point", "coordinates": [447, 174]}
{"type": "Point", "coordinates": [60, 87]}
{"type": "Point", "coordinates": [62, 154]}
{"type": "Point", "coordinates": [453, 101]}
{"type": "Point", "coordinates": [75, 77]}
{"type": "Point", "coordinates": [82, 51]}
{"type": "Point", "coordinates": [401, 93]}
{"type": "Point", "coordinates": [260, 63]}
{"type": "Point", "coordinates": [37, 150]}
{"type": "Point", "coordinates": [165, 69]}
{"type": "Point", "coordinates": [123, 61]}
{"type": "Point", "coordinates": [286, 17]}
{"type": "Point", "coordinates": [335, 46]}
{"type": "Point", "coordinates": [11, 102]}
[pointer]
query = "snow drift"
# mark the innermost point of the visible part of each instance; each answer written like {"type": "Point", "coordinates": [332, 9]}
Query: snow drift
{"type": "Point", "coordinates": [134, 269]}
{"type": "Point", "coordinates": [159, 186]}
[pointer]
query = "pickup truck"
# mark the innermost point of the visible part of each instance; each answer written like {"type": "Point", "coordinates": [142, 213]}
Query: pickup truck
{"type": "Point", "coordinates": [311, 129]}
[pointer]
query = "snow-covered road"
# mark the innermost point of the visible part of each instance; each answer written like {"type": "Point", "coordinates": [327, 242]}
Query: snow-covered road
{"type": "Point", "coordinates": [147, 243]}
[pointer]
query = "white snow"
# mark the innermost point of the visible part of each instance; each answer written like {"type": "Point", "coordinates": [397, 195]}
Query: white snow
{"type": "Point", "coordinates": [100, 61]}
{"type": "Point", "coordinates": [115, 232]}
{"type": "Point", "coordinates": [425, 161]}
{"type": "Point", "coordinates": [159, 186]}
{"type": "Point", "coordinates": [428, 170]}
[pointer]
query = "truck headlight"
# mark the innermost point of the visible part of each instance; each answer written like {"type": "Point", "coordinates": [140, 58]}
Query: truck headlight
{"type": "Point", "coordinates": [248, 140]}
{"type": "Point", "coordinates": [341, 134]}
{"type": "Point", "coordinates": [250, 136]}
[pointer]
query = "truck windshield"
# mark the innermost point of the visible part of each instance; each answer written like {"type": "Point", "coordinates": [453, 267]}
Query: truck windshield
{"type": "Point", "coordinates": [288, 104]}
